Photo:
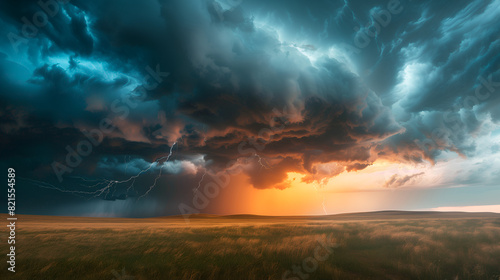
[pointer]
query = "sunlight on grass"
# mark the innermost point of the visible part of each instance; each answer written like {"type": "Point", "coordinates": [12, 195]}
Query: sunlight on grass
{"type": "Point", "coordinates": [244, 249]}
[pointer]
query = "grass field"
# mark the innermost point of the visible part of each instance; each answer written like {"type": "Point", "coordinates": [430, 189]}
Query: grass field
{"type": "Point", "coordinates": [389, 245]}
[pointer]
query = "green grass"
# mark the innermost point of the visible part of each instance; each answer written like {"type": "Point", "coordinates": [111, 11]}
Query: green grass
{"type": "Point", "coordinates": [244, 249]}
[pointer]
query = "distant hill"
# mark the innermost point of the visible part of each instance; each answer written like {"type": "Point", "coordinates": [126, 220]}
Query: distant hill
{"type": "Point", "coordinates": [379, 215]}
{"type": "Point", "coordinates": [392, 214]}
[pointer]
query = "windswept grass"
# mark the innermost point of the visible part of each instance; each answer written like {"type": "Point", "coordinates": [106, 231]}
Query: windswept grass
{"type": "Point", "coordinates": [252, 249]}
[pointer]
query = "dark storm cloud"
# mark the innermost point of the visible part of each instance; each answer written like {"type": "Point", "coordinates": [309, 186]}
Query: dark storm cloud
{"type": "Point", "coordinates": [291, 69]}
{"type": "Point", "coordinates": [426, 63]}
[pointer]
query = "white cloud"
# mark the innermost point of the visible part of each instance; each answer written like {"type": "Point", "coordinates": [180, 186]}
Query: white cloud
{"type": "Point", "coordinates": [478, 208]}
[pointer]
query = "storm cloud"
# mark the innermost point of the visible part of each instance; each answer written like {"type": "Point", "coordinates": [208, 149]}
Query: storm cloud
{"type": "Point", "coordinates": [285, 85]}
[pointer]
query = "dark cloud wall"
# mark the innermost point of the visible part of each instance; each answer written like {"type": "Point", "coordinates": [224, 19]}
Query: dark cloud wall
{"type": "Point", "coordinates": [288, 79]}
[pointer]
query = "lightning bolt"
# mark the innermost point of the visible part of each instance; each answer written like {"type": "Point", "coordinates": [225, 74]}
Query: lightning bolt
{"type": "Point", "coordinates": [105, 186]}
{"type": "Point", "coordinates": [46, 185]}
{"type": "Point", "coordinates": [262, 165]}
{"type": "Point", "coordinates": [324, 207]}
{"type": "Point", "coordinates": [323, 202]}
{"type": "Point", "coordinates": [201, 180]}
{"type": "Point", "coordinates": [159, 173]}
{"type": "Point", "coordinates": [130, 187]}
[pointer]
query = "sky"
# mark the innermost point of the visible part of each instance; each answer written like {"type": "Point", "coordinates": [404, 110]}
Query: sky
{"type": "Point", "coordinates": [147, 108]}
